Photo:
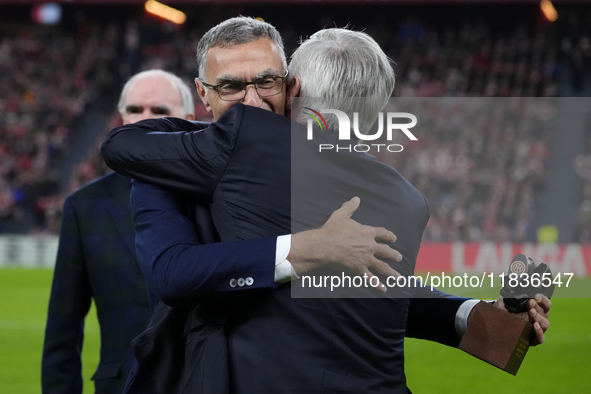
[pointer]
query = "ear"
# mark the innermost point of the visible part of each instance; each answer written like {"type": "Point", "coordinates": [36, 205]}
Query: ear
{"type": "Point", "coordinates": [293, 92]}
{"type": "Point", "coordinates": [190, 117]}
{"type": "Point", "coordinates": [202, 94]}
{"type": "Point", "coordinates": [294, 88]}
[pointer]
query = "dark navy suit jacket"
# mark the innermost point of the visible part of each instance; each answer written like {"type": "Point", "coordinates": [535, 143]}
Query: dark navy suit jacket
{"type": "Point", "coordinates": [96, 260]}
{"type": "Point", "coordinates": [262, 183]}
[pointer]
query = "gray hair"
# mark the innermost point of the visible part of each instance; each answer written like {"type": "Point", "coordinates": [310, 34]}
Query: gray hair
{"type": "Point", "coordinates": [236, 31]}
{"type": "Point", "coordinates": [336, 65]}
{"type": "Point", "coordinates": [187, 105]}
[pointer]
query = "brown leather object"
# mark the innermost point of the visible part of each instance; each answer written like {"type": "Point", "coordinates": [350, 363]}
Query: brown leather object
{"type": "Point", "coordinates": [497, 337]}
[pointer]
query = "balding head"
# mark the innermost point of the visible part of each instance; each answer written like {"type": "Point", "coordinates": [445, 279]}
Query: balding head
{"type": "Point", "coordinates": [155, 94]}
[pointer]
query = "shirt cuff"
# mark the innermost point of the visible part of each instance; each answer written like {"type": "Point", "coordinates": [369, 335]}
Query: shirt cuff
{"type": "Point", "coordinates": [283, 269]}
{"type": "Point", "coordinates": [462, 316]}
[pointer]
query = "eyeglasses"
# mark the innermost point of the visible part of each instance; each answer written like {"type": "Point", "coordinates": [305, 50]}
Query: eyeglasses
{"type": "Point", "coordinates": [236, 90]}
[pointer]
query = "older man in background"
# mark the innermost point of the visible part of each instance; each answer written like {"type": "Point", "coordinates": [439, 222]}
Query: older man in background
{"type": "Point", "coordinates": [96, 258]}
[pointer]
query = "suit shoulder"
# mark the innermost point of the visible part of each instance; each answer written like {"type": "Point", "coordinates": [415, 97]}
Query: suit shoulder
{"type": "Point", "coordinates": [178, 124]}
{"type": "Point", "coordinates": [100, 187]}
{"type": "Point", "coordinates": [264, 118]}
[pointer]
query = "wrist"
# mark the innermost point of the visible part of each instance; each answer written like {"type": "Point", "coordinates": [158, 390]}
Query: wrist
{"type": "Point", "coordinates": [306, 251]}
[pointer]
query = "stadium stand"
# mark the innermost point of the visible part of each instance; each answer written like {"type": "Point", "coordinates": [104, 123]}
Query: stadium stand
{"type": "Point", "coordinates": [474, 192]}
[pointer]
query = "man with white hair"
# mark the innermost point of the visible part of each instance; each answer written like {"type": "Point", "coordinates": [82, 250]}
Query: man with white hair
{"type": "Point", "coordinates": [159, 94]}
{"type": "Point", "coordinates": [244, 164]}
{"type": "Point", "coordinates": [96, 258]}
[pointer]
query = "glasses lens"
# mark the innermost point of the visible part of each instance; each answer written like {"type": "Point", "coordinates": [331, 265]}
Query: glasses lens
{"type": "Point", "coordinates": [231, 91]}
{"type": "Point", "coordinates": [265, 87]}
{"type": "Point", "coordinates": [269, 86]}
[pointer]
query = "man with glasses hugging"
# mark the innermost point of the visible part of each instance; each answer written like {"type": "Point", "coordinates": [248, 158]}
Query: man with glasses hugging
{"type": "Point", "coordinates": [240, 61]}
{"type": "Point", "coordinates": [224, 71]}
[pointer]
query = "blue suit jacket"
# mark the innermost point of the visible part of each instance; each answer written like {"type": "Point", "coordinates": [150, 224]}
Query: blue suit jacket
{"type": "Point", "coordinates": [96, 260]}
{"type": "Point", "coordinates": [242, 166]}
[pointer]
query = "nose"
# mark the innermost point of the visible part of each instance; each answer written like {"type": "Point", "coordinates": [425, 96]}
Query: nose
{"type": "Point", "coordinates": [148, 114]}
{"type": "Point", "coordinates": [252, 98]}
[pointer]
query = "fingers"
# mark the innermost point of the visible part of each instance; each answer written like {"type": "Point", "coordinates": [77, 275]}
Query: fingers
{"type": "Point", "coordinates": [543, 302]}
{"type": "Point", "coordinates": [381, 234]}
{"type": "Point", "coordinates": [349, 207]}
{"type": "Point", "coordinates": [383, 268]}
{"type": "Point", "coordinates": [535, 317]}
{"type": "Point", "coordinates": [385, 252]}
{"type": "Point", "coordinates": [380, 287]}
{"type": "Point", "coordinates": [538, 337]}
{"type": "Point", "coordinates": [539, 310]}
{"type": "Point", "coordinates": [354, 247]}
{"type": "Point", "coordinates": [532, 305]}
{"type": "Point", "coordinates": [538, 316]}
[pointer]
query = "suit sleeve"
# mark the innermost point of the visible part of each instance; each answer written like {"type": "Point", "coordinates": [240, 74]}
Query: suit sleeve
{"type": "Point", "coordinates": [180, 270]}
{"type": "Point", "coordinates": [176, 154]}
{"type": "Point", "coordinates": [68, 305]}
{"type": "Point", "coordinates": [432, 316]}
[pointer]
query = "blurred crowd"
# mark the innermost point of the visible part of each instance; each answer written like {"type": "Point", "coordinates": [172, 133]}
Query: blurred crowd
{"type": "Point", "coordinates": [477, 189]}
{"type": "Point", "coordinates": [46, 79]}
{"type": "Point", "coordinates": [479, 166]}
{"type": "Point", "coordinates": [582, 165]}
{"type": "Point", "coordinates": [474, 61]}
{"type": "Point", "coordinates": [481, 171]}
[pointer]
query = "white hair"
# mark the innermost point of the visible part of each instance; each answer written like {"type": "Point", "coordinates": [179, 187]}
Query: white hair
{"type": "Point", "coordinates": [337, 65]}
{"type": "Point", "coordinates": [187, 105]}
{"type": "Point", "coordinates": [237, 31]}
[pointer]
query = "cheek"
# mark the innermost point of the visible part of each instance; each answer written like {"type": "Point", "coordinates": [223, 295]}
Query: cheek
{"type": "Point", "coordinates": [278, 104]}
{"type": "Point", "coordinates": [175, 113]}
{"type": "Point", "coordinates": [222, 106]}
{"type": "Point", "coordinates": [127, 119]}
